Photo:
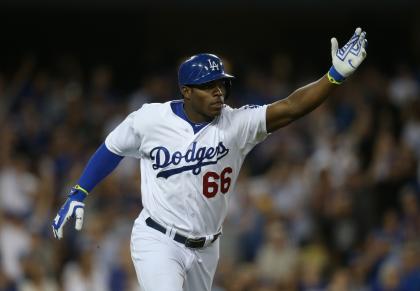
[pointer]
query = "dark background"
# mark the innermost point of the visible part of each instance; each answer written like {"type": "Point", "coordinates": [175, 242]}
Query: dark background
{"type": "Point", "coordinates": [135, 37]}
{"type": "Point", "coordinates": [349, 171]}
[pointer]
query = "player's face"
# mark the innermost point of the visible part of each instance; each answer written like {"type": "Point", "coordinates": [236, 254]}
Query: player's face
{"type": "Point", "coordinates": [204, 102]}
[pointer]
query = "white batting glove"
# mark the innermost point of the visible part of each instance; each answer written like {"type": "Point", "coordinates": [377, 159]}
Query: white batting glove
{"type": "Point", "coordinates": [73, 207]}
{"type": "Point", "coordinates": [347, 59]}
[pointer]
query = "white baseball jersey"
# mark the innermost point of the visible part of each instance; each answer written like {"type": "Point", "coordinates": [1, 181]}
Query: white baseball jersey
{"type": "Point", "coordinates": [187, 175]}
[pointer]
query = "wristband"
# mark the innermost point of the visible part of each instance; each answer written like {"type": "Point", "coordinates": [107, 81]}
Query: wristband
{"type": "Point", "coordinates": [78, 187]}
{"type": "Point", "coordinates": [334, 76]}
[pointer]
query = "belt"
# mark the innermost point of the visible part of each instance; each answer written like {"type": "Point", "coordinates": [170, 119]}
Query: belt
{"type": "Point", "coordinates": [193, 243]}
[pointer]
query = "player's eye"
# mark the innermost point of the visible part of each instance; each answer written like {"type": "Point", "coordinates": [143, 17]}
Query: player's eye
{"type": "Point", "coordinates": [206, 86]}
{"type": "Point", "coordinates": [210, 85]}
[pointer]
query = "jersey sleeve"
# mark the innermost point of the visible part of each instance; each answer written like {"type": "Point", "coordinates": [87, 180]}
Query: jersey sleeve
{"type": "Point", "coordinates": [249, 125]}
{"type": "Point", "coordinates": [126, 138]}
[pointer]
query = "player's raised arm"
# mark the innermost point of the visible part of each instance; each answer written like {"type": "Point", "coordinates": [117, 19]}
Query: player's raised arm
{"type": "Point", "coordinates": [344, 62]}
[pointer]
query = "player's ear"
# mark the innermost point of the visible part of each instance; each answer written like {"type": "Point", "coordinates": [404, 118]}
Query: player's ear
{"type": "Point", "coordinates": [186, 92]}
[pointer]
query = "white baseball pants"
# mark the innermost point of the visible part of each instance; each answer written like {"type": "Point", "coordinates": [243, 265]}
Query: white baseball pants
{"type": "Point", "coordinates": [165, 265]}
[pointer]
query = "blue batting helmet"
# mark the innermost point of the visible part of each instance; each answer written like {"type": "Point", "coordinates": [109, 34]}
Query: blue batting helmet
{"type": "Point", "coordinates": [200, 69]}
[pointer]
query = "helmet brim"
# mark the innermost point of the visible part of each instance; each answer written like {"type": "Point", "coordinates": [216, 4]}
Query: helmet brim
{"type": "Point", "coordinates": [211, 78]}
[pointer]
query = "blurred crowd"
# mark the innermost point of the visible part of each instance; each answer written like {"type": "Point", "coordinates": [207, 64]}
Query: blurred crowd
{"type": "Point", "coordinates": [330, 202]}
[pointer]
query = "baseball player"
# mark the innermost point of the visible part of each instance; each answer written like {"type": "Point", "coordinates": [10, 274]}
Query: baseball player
{"type": "Point", "coordinates": [190, 153]}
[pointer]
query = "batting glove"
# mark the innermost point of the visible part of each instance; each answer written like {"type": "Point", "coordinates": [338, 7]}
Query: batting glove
{"type": "Point", "coordinates": [347, 59]}
{"type": "Point", "coordinates": [73, 206]}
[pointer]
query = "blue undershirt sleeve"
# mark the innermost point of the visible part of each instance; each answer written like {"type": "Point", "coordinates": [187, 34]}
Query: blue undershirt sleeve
{"type": "Point", "coordinates": [99, 166]}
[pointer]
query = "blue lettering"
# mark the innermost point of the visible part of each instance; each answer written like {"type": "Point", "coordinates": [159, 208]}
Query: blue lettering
{"type": "Point", "coordinates": [189, 156]}
{"type": "Point", "coordinates": [201, 153]}
{"type": "Point", "coordinates": [176, 158]}
{"type": "Point", "coordinates": [194, 158]}
{"type": "Point", "coordinates": [221, 148]}
{"type": "Point", "coordinates": [161, 152]}
{"type": "Point", "coordinates": [210, 153]}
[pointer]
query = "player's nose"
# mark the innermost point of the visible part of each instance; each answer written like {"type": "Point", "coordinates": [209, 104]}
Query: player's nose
{"type": "Point", "coordinates": [218, 90]}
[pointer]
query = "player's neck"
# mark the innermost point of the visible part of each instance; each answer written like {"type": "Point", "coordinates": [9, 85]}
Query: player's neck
{"type": "Point", "coordinates": [194, 116]}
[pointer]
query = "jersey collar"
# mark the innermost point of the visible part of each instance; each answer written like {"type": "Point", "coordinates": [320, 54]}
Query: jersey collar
{"type": "Point", "coordinates": [178, 108]}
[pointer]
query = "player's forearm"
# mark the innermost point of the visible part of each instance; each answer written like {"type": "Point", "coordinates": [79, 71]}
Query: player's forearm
{"type": "Point", "coordinates": [297, 104]}
{"type": "Point", "coordinates": [309, 97]}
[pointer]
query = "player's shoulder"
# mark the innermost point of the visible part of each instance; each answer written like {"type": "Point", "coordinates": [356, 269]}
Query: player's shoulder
{"type": "Point", "coordinates": [156, 105]}
{"type": "Point", "coordinates": [238, 115]}
{"type": "Point", "coordinates": [248, 108]}
{"type": "Point", "coordinates": [154, 108]}
{"type": "Point", "coordinates": [150, 114]}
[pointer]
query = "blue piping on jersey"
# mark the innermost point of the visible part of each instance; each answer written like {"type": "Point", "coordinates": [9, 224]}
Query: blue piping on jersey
{"type": "Point", "coordinates": [178, 108]}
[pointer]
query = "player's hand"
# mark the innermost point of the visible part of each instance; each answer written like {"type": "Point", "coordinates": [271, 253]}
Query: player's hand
{"type": "Point", "coordinates": [73, 207]}
{"type": "Point", "coordinates": [348, 58]}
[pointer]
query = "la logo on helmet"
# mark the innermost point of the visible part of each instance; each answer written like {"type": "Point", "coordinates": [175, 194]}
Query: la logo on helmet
{"type": "Point", "coordinates": [213, 65]}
